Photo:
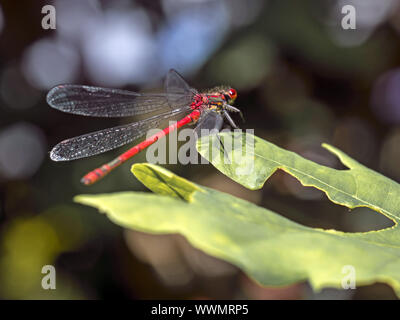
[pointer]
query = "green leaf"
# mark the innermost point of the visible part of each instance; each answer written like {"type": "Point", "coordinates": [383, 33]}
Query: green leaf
{"type": "Point", "coordinates": [253, 160]}
{"type": "Point", "coordinates": [164, 182]}
{"type": "Point", "coordinates": [268, 247]}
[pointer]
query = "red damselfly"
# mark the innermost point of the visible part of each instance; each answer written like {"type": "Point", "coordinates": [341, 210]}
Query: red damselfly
{"type": "Point", "coordinates": [208, 110]}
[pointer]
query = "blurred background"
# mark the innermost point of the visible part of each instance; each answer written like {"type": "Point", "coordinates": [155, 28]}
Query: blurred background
{"type": "Point", "coordinates": [302, 80]}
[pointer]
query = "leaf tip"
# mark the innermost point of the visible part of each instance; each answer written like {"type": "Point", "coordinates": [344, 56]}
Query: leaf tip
{"type": "Point", "coordinates": [136, 167]}
{"type": "Point", "coordinates": [78, 199]}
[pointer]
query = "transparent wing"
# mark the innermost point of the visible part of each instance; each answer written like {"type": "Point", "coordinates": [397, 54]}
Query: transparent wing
{"type": "Point", "coordinates": [178, 91]}
{"type": "Point", "coordinates": [104, 102]}
{"type": "Point", "coordinates": [104, 140]}
{"type": "Point", "coordinates": [209, 122]}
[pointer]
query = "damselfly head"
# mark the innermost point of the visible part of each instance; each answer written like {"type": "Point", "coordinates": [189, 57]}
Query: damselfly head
{"type": "Point", "coordinates": [227, 94]}
{"type": "Point", "coordinates": [230, 95]}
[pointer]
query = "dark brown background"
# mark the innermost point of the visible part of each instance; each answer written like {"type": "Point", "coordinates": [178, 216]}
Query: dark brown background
{"type": "Point", "coordinates": [302, 80]}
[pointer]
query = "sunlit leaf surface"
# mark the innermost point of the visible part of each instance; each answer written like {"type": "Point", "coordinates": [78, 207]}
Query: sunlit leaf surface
{"type": "Point", "coordinates": [268, 247]}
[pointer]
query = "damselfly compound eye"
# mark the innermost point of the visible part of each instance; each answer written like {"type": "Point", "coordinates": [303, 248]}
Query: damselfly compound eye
{"type": "Point", "coordinates": [232, 94]}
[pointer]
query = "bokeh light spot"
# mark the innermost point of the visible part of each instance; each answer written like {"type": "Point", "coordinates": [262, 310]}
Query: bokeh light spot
{"type": "Point", "coordinates": [245, 63]}
{"type": "Point", "coordinates": [369, 15]}
{"type": "Point", "coordinates": [385, 98]}
{"type": "Point", "coordinates": [119, 49]}
{"type": "Point", "coordinates": [49, 62]}
{"type": "Point", "coordinates": [74, 16]}
{"type": "Point", "coordinates": [186, 41]}
{"type": "Point", "coordinates": [22, 149]}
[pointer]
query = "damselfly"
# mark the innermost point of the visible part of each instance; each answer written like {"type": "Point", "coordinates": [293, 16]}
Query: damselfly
{"type": "Point", "coordinates": [208, 110]}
